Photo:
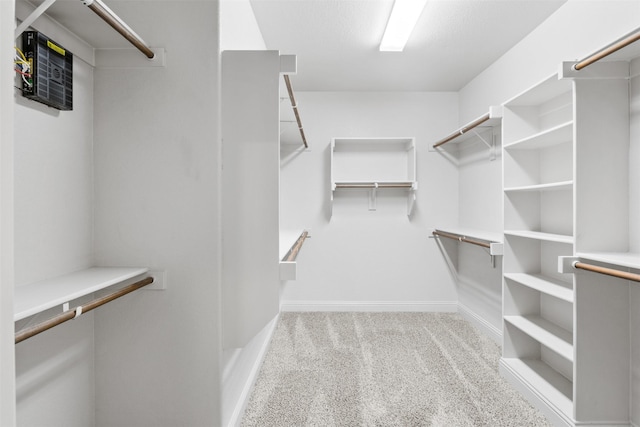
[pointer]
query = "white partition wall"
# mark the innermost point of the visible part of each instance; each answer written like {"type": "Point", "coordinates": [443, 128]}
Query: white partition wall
{"type": "Point", "coordinates": [250, 188]}
{"type": "Point", "coordinates": [7, 366]}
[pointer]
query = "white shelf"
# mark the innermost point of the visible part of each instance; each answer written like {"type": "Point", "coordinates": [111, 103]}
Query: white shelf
{"type": "Point", "coordinates": [474, 233]}
{"type": "Point", "coordinates": [409, 184]}
{"type": "Point", "coordinates": [546, 333]}
{"type": "Point", "coordinates": [553, 186]}
{"type": "Point", "coordinates": [537, 235]}
{"type": "Point", "coordinates": [40, 296]}
{"type": "Point", "coordinates": [555, 288]}
{"type": "Point", "coordinates": [547, 138]}
{"type": "Point", "coordinates": [537, 375]}
{"type": "Point", "coordinates": [374, 163]}
{"type": "Point", "coordinates": [622, 259]}
{"type": "Point", "coordinates": [540, 93]}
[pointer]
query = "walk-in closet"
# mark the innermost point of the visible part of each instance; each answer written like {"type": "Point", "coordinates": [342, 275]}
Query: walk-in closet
{"type": "Point", "coordinates": [272, 213]}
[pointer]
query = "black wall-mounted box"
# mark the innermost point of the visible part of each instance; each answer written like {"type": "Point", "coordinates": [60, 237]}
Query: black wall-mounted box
{"type": "Point", "coordinates": [51, 71]}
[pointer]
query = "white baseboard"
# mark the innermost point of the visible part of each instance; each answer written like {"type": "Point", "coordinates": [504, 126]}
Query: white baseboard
{"type": "Point", "coordinates": [241, 373]}
{"type": "Point", "coordinates": [371, 306]}
{"type": "Point", "coordinates": [480, 323]}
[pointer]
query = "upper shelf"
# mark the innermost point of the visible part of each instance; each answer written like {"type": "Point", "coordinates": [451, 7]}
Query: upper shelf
{"type": "Point", "coordinates": [622, 259]}
{"type": "Point", "coordinates": [40, 296]}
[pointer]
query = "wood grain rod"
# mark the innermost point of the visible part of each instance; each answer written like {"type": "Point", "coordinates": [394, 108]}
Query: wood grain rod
{"type": "Point", "coordinates": [608, 271]}
{"type": "Point", "coordinates": [70, 314]}
{"type": "Point", "coordinates": [461, 238]}
{"type": "Point", "coordinates": [608, 50]}
{"type": "Point", "coordinates": [109, 17]}
{"type": "Point", "coordinates": [292, 98]}
{"type": "Point", "coordinates": [373, 185]}
{"type": "Point", "coordinates": [293, 252]}
{"type": "Point", "coordinates": [463, 130]}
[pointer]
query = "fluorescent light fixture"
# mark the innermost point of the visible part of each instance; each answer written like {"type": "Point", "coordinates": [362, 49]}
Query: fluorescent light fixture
{"type": "Point", "coordinates": [403, 19]}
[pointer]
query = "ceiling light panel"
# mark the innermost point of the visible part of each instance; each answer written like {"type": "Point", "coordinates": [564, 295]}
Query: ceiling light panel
{"type": "Point", "coordinates": [403, 18]}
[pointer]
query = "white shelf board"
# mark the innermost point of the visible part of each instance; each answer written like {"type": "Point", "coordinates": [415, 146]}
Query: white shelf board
{"type": "Point", "coordinates": [546, 333]}
{"type": "Point", "coordinates": [552, 186]}
{"type": "Point", "coordinates": [556, 389]}
{"type": "Point", "coordinates": [287, 239]}
{"type": "Point", "coordinates": [493, 121]}
{"type": "Point", "coordinates": [474, 233]}
{"type": "Point", "coordinates": [40, 296]}
{"type": "Point", "coordinates": [380, 144]}
{"type": "Point", "coordinates": [413, 184]}
{"type": "Point", "coordinates": [537, 235]}
{"type": "Point", "coordinates": [555, 288]}
{"type": "Point", "coordinates": [622, 259]}
{"type": "Point", "coordinates": [547, 138]}
{"type": "Point", "coordinates": [547, 89]}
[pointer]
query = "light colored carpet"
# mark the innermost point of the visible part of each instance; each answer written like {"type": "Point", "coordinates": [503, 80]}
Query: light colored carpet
{"type": "Point", "coordinates": [383, 369]}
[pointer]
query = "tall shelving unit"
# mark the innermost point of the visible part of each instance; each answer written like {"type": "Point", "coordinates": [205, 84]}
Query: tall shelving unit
{"type": "Point", "coordinates": [560, 195]}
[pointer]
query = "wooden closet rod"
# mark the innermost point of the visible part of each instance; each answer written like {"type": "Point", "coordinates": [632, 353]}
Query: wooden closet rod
{"type": "Point", "coordinates": [295, 109]}
{"type": "Point", "coordinates": [293, 252]}
{"type": "Point", "coordinates": [608, 271]}
{"type": "Point", "coordinates": [461, 238]}
{"type": "Point", "coordinates": [71, 314]}
{"type": "Point", "coordinates": [463, 130]}
{"type": "Point", "coordinates": [374, 185]}
{"type": "Point", "coordinates": [108, 16]}
{"type": "Point", "coordinates": [625, 41]}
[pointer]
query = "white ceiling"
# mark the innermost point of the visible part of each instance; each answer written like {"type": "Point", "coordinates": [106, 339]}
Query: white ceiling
{"type": "Point", "coordinates": [337, 41]}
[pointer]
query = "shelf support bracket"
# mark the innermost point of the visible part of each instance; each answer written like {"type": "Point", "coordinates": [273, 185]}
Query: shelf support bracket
{"type": "Point", "coordinates": [491, 146]}
{"type": "Point", "coordinates": [372, 197]}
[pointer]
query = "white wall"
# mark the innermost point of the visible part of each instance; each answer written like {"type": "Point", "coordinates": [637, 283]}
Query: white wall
{"type": "Point", "coordinates": [7, 365]}
{"type": "Point", "coordinates": [577, 29]}
{"type": "Point", "coordinates": [358, 256]}
{"type": "Point", "coordinates": [157, 154]}
{"type": "Point", "coordinates": [480, 207]}
{"type": "Point", "coordinates": [53, 236]}
{"type": "Point", "coordinates": [238, 27]}
{"type": "Point", "coordinates": [634, 235]}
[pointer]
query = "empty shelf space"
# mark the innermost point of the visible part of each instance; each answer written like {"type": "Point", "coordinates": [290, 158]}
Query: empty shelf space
{"type": "Point", "coordinates": [547, 138]}
{"type": "Point", "coordinates": [40, 296]}
{"type": "Point", "coordinates": [546, 333]}
{"type": "Point", "coordinates": [555, 288]}
{"type": "Point", "coordinates": [537, 235]}
{"type": "Point", "coordinates": [553, 186]}
{"type": "Point", "coordinates": [546, 381]}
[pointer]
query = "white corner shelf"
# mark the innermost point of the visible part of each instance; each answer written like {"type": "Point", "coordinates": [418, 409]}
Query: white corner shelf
{"type": "Point", "coordinates": [537, 235]}
{"type": "Point", "coordinates": [472, 130]}
{"type": "Point", "coordinates": [547, 285]}
{"type": "Point", "coordinates": [37, 297]}
{"type": "Point", "coordinates": [546, 333]}
{"type": "Point", "coordinates": [374, 164]}
{"type": "Point", "coordinates": [288, 238]}
{"type": "Point", "coordinates": [494, 240]}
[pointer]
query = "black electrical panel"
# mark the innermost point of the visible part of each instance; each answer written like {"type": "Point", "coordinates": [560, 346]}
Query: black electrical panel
{"type": "Point", "coordinates": [51, 80]}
